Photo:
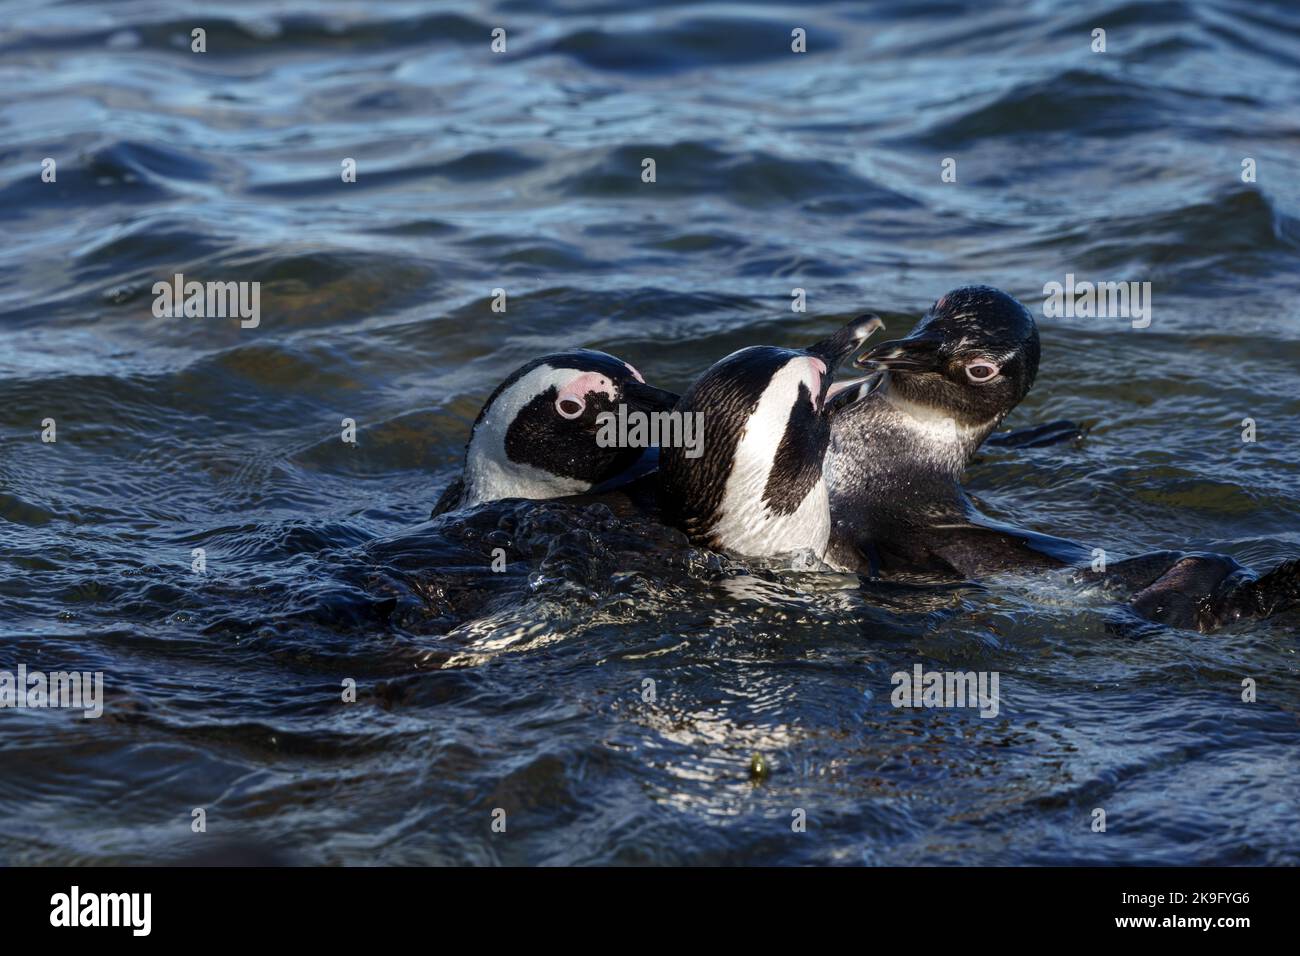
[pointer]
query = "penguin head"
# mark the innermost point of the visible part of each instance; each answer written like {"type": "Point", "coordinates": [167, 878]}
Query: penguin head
{"type": "Point", "coordinates": [754, 484]}
{"type": "Point", "coordinates": [973, 357]}
{"type": "Point", "coordinates": [536, 436]}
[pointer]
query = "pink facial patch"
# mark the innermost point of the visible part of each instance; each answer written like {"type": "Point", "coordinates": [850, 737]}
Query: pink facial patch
{"type": "Point", "coordinates": [578, 387]}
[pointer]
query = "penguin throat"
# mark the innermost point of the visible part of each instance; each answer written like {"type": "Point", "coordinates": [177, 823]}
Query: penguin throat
{"type": "Point", "coordinates": [941, 439]}
{"type": "Point", "coordinates": [488, 479]}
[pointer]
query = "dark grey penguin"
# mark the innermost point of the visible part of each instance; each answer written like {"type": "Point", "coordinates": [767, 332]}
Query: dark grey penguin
{"type": "Point", "coordinates": [900, 441]}
{"type": "Point", "coordinates": [537, 434]}
{"type": "Point", "coordinates": [756, 487]}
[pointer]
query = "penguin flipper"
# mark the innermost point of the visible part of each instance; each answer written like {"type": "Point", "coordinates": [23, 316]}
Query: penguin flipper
{"type": "Point", "coordinates": [449, 498]}
{"type": "Point", "coordinates": [1002, 546]}
{"type": "Point", "coordinates": [646, 464]}
{"type": "Point", "coordinates": [960, 550]}
{"type": "Point", "coordinates": [1131, 574]}
{"type": "Point", "coordinates": [1036, 436]}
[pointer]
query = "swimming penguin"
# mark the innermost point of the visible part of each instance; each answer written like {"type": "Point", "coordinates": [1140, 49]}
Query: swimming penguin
{"type": "Point", "coordinates": [536, 435]}
{"type": "Point", "coordinates": [756, 487]}
{"type": "Point", "coordinates": [901, 438]}
{"type": "Point", "coordinates": [900, 441]}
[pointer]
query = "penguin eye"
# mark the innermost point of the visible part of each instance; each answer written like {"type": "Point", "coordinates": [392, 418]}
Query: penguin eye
{"type": "Point", "coordinates": [981, 371]}
{"type": "Point", "coordinates": [570, 406]}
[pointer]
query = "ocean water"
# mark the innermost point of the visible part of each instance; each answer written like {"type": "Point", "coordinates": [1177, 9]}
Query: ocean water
{"type": "Point", "coordinates": [608, 695]}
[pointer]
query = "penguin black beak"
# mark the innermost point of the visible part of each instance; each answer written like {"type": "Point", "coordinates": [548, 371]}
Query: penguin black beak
{"type": "Point", "coordinates": [834, 350]}
{"type": "Point", "coordinates": [919, 354]}
{"type": "Point", "coordinates": [647, 398]}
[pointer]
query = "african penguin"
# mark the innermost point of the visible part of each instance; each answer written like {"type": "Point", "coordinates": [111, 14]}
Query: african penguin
{"type": "Point", "coordinates": [536, 435]}
{"type": "Point", "coordinates": [901, 438]}
{"type": "Point", "coordinates": [757, 486]}
{"type": "Point", "coordinates": [900, 441]}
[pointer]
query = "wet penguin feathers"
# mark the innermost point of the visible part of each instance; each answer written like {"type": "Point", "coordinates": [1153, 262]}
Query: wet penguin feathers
{"type": "Point", "coordinates": [728, 396]}
{"type": "Point", "coordinates": [537, 434]}
{"type": "Point", "coordinates": [757, 487]}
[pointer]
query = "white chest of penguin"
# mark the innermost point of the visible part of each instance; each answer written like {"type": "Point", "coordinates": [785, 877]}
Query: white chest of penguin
{"type": "Point", "coordinates": [749, 526]}
{"type": "Point", "coordinates": [747, 522]}
{"type": "Point", "coordinates": [936, 438]}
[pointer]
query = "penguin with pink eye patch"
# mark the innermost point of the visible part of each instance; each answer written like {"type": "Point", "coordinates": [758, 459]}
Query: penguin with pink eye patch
{"type": "Point", "coordinates": [756, 487]}
{"type": "Point", "coordinates": [536, 436]}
